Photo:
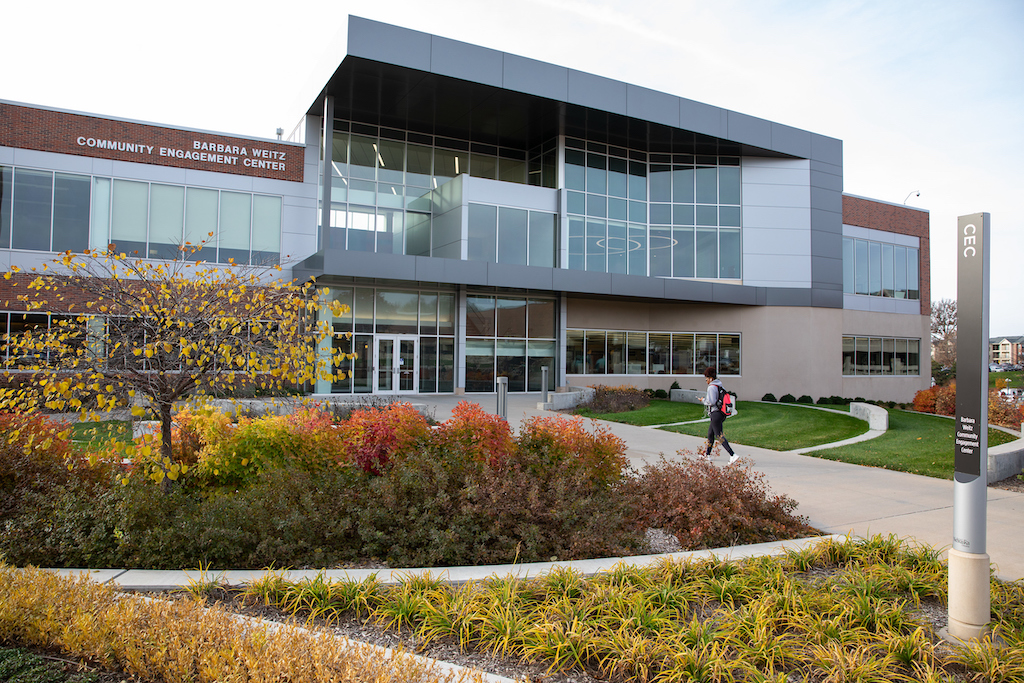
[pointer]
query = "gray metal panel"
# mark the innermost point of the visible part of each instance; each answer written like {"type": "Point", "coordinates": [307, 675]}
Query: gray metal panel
{"type": "Point", "coordinates": [651, 105]}
{"type": "Point", "coordinates": [465, 272]}
{"type": "Point", "coordinates": [762, 296]}
{"type": "Point", "coordinates": [429, 269]}
{"type": "Point", "coordinates": [733, 294]}
{"type": "Point", "coordinates": [389, 44]}
{"type": "Point", "coordinates": [829, 150]}
{"type": "Point", "coordinates": [507, 275]}
{"type": "Point", "coordinates": [536, 78]}
{"type": "Point", "coordinates": [598, 92]}
{"type": "Point", "coordinates": [635, 285]}
{"type": "Point", "coordinates": [791, 140]}
{"type": "Point", "coordinates": [827, 181]}
{"type": "Point", "coordinates": [784, 296]}
{"type": "Point", "coordinates": [827, 272]}
{"type": "Point", "coordinates": [828, 244]}
{"type": "Point", "coordinates": [826, 200]}
{"type": "Point", "coordinates": [825, 167]}
{"type": "Point", "coordinates": [468, 62]}
{"type": "Point", "coordinates": [702, 118]}
{"type": "Point", "coordinates": [826, 221]}
{"type": "Point", "coordinates": [581, 282]}
{"type": "Point", "coordinates": [689, 289]}
{"type": "Point", "coordinates": [827, 298]}
{"type": "Point", "coordinates": [749, 129]}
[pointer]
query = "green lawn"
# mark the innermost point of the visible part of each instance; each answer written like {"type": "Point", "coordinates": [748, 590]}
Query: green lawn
{"type": "Point", "coordinates": [1016, 378]}
{"type": "Point", "coordinates": [915, 442]}
{"type": "Point", "coordinates": [86, 433]}
{"type": "Point", "coordinates": [781, 427]}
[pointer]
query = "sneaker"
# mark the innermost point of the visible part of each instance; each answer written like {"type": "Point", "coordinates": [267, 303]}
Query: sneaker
{"type": "Point", "coordinates": [733, 458]}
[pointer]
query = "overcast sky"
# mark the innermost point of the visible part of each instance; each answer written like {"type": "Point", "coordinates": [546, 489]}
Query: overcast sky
{"type": "Point", "coordinates": [926, 96]}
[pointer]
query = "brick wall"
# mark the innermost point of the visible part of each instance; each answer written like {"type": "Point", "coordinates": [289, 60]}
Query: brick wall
{"type": "Point", "coordinates": [65, 133]}
{"type": "Point", "coordinates": [902, 220]}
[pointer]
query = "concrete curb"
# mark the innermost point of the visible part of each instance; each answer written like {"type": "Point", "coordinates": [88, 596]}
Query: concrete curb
{"type": "Point", "coordinates": [152, 580]}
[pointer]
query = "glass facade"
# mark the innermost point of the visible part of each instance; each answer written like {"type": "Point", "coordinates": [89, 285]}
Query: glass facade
{"type": "Point", "coordinates": [881, 356]}
{"type": "Point", "coordinates": [510, 337]}
{"type": "Point", "coordinates": [382, 181]}
{"type": "Point", "coordinates": [880, 269]}
{"type": "Point", "coordinates": [375, 313]}
{"type": "Point", "coordinates": [54, 211]}
{"type": "Point", "coordinates": [663, 215]}
{"type": "Point", "coordinates": [605, 352]}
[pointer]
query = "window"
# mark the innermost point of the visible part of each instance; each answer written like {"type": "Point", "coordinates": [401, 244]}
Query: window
{"type": "Point", "coordinates": [880, 269]}
{"type": "Point", "coordinates": [611, 352]}
{"type": "Point", "coordinates": [886, 356]}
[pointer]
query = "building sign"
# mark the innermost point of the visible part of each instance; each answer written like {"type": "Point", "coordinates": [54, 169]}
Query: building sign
{"type": "Point", "coordinates": [64, 133]}
{"type": "Point", "coordinates": [972, 345]}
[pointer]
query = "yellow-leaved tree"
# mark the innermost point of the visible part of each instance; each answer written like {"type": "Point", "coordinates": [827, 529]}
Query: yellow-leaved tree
{"type": "Point", "coordinates": [126, 331]}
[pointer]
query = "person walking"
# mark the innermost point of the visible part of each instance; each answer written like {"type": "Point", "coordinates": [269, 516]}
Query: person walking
{"type": "Point", "coordinates": [713, 401]}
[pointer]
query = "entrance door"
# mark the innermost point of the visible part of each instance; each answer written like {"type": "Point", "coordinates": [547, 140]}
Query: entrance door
{"type": "Point", "coordinates": [396, 361]}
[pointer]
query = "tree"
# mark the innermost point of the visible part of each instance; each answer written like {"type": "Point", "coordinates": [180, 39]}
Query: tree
{"type": "Point", "coordinates": [126, 328]}
{"type": "Point", "coordinates": [944, 331]}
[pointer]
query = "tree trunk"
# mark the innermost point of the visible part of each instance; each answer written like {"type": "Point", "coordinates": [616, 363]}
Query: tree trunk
{"type": "Point", "coordinates": [166, 454]}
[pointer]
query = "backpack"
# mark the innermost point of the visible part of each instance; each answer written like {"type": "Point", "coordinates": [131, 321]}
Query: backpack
{"type": "Point", "coordinates": [725, 402]}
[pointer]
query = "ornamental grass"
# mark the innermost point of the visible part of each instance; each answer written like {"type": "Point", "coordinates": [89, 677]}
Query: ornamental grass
{"type": "Point", "coordinates": [184, 640]}
{"type": "Point", "coordinates": [836, 611]}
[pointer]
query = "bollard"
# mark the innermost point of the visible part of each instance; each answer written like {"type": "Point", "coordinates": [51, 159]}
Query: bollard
{"type": "Point", "coordinates": [503, 398]}
{"type": "Point", "coordinates": [544, 383]}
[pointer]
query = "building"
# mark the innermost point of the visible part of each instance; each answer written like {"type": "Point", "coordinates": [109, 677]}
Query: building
{"type": "Point", "coordinates": [1006, 350]}
{"type": "Point", "coordinates": [486, 215]}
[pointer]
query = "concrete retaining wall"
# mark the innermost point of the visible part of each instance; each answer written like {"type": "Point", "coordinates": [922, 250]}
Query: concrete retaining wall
{"type": "Point", "coordinates": [877, 418]}
{"type": "Point", "coordinates": [1005, 460]}
{"type": "Point", "coordinates": [687, 395]}
{"type": "Point", "coordinates": [564, 400]}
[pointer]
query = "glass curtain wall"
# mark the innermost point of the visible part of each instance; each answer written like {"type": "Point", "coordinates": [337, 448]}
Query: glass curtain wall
{"type": "Point", "coordinates": [663, 215]}
{"type": "Point", "coordinates": [510, 337]}
{"type": "Point", "coordinates": [381, 184]}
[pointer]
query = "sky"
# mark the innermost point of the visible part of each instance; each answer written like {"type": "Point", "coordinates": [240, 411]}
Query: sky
{"type": "Point", "coordinates": [927, 97]}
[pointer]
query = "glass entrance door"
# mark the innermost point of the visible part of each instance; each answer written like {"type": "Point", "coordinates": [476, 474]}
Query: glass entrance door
{"type": "Point", "coordinates": [396, 362]}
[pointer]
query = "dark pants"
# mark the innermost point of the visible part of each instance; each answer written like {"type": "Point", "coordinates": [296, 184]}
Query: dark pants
{"type": "Point", "coordinates": [715, 432]}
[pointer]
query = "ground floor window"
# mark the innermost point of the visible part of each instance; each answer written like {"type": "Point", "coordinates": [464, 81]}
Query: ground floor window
{"type": "Point", "coordinates": [881, 356]}
{"type": "Point", "coordinates": [612, 352]}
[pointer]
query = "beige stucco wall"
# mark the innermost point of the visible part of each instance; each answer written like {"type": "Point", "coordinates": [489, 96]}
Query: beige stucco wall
{"type": "Point", "coordinates": [794, 350]}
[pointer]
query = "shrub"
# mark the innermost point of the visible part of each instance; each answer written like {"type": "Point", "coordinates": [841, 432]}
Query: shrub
{"type": "Point", "coordinates": [34, 457]}
{"type": "Point", "coordinates": [945, 399]}
{"type": "Point", "coordinates": [770, 398]}
{"type": "Point", "coordinates": [374, 435]}
{"type": "Point", "coordinates": [787, 398]}
{"type": "Point", "coordinates": [660, 393]}
{"type": "Point", "coordinates": [840, 401]}
{"type": "Point", "coordinates": [675, 385]}
{"type": "Point", "coordinates": [601, 454]}
{"type": "Point", "coordinates": [707, 506]}
{"type": "Point", "coordinates": [824, 401]}
{"type": "Point", "coordinates": [924, 400]}
{"type": "Point", "coordinates": [805, 399]}
{"type": "Point", "coordinates": [859, 399]}
{"type": "Point", "coordinates": [617, 399]}
{"type": "Point", "coordinates": [483, 437]}
{"type": "Point", "coordinates": [1003, 412]}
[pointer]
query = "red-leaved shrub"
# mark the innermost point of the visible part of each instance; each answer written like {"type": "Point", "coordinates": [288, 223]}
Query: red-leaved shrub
{"type": "Point", "coordinates": [924, 400]}
{"type": "Point", "coordinates": [707, 506]}
{"type": "Point", "coordinates": [479, 435]}
{"type": "Point", "coordinates": [599, 452]}
{"type": "Point", "coordinates": [374, 436]}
